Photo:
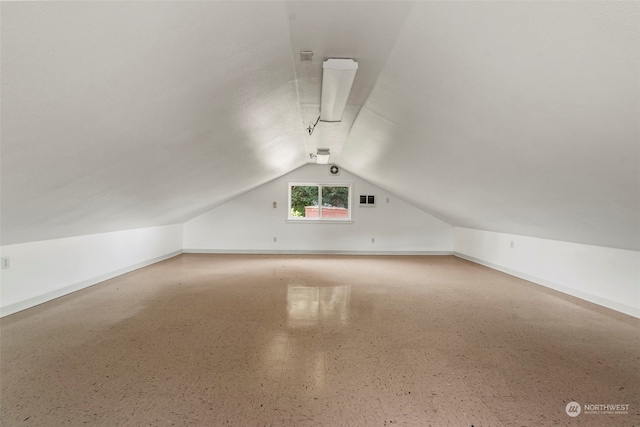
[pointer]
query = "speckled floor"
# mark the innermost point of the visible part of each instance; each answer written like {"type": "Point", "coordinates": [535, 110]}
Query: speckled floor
{"type": "Point", "coordinates": [208, 340]}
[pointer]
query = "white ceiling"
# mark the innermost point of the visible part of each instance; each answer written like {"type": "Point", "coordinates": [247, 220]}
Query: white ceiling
{"type": "Point", "coordinates": [519, 117]}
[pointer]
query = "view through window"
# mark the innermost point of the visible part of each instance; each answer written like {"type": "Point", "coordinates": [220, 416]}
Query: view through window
{"type": "Point", "coordinates": [319, 201]}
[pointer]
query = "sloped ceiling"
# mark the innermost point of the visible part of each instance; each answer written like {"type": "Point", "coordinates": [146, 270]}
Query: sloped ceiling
{"type": "Point", "coordinates": [519, 117]}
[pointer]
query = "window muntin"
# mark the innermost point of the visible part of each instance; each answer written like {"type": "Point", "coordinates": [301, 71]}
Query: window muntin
{"type": "Point", "coordinates": [319, 202]}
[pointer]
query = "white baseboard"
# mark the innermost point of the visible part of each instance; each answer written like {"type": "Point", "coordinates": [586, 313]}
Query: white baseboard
{"type": "Point", "coordinates": [40, 299]}
{"type": "Point", "coordinates": [311, 252]}
{"type": "Point", "coordinates": [613, 305]}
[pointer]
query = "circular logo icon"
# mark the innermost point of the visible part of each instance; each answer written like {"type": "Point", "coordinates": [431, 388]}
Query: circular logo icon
{"type": "Point", "coordinates": [573, 409]}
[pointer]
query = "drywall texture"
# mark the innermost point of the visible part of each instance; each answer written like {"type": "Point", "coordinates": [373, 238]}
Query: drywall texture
{"type": "Point", "coordinates": [522, 118]}
{"type": "Point", "coordinates": [250, 223]}
{"type": "Point", "coordinates": [605, 276]}
{"type": "Point", "coordinates": [516, 117]}
{"type": "Point", "coordinates": [142, 106]}
{"type": "Point", "coordinates": [41, 271]}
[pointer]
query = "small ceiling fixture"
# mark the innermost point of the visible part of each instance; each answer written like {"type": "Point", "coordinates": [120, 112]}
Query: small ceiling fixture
{"type": "Point", "coordinates": [337, 79]}
{"type": "Point", "coordinates": [322, 156]}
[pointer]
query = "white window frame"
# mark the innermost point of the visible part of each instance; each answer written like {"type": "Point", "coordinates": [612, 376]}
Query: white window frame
{"type": "Point", "coordinates": [319, 219]}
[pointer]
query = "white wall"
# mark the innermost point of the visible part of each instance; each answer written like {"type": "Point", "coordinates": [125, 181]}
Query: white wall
{"type": "Point", "coordinates": [249, 223]}
{"type": "Point", "coordinates": [41, 271]}
{"type": "Point", "coordinates": [606, 276]}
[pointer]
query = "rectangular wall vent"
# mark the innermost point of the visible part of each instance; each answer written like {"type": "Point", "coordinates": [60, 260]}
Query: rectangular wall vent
{"type": "Point", "coordinates": [367, 200]}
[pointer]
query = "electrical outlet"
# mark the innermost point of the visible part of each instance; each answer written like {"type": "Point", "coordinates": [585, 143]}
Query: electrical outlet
{"type": "Point", "coordinates": [275, 239]}
{"type": "Point", "coordinates": [6, 263]}
{"type": "Point", "coordinates": [373, 240]}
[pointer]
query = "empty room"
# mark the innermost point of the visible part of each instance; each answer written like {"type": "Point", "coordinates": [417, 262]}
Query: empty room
{"type": "Point", "coordinates": [320, 213]}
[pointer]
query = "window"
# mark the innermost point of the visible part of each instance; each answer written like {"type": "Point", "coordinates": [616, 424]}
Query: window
{"type": "Point", "coordinates": [319, 202]}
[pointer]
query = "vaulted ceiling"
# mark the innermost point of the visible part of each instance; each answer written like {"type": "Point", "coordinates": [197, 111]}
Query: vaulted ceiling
{"type": "Point", "coordinates": [519, 117]}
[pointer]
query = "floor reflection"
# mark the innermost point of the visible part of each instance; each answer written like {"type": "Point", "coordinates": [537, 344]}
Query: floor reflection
{"type": "Point", "coordinates": [314, 305]}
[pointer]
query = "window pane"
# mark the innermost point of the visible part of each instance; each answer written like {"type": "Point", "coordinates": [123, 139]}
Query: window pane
{"type": "Point", "coordinates": [335, 202]}
{"type": "Point", "coordinates": [304, 201]}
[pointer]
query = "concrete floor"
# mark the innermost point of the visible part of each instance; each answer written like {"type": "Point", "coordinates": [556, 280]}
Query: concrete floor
{"type": "Point", "coordinates": [317, 340]}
